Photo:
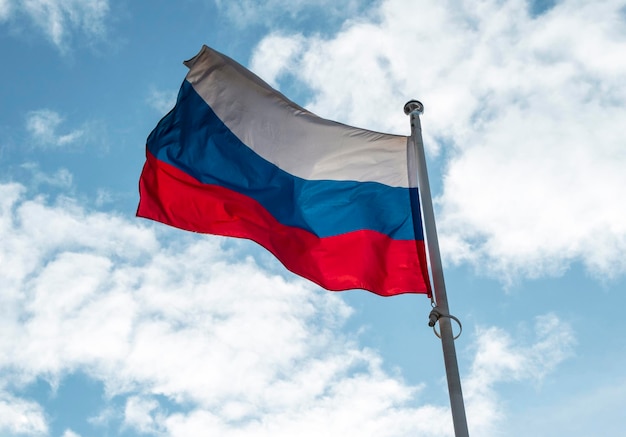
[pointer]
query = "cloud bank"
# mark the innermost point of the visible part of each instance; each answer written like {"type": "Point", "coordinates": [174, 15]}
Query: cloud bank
{"type": "Point", "coordinates": [88, 292]}
{"type": "Point", "coordinates": [60, 20]}
{"type": "Point", "coordinates": [43, 126]}
{"type": "Point", "coordinates": [524, 111]}
{"type": "Point", "coordinates": [249, 13]}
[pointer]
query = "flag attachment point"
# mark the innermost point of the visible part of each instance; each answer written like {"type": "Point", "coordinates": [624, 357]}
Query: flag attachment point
{"type": "Point", "coordinates": [434, 317]}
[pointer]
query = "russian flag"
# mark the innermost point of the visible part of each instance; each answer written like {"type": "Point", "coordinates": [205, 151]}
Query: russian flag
{"type": "Point", "coordinates": [335, 204]}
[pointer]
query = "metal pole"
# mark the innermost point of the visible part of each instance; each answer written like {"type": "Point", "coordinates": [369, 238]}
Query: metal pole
{"type": "Point", "coordinates": [414, 108]}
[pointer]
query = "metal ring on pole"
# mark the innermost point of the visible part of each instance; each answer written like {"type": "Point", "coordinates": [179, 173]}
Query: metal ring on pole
{"type": "Point", "coordinates": [434, 317]}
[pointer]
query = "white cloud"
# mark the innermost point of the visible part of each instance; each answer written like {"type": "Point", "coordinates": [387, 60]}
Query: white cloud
{"type": "Point", "coordinates": [267, 13]}
{"type": "Point", "coordinates": [162, 101]}
{"type": "Point", "coordinates": [60, 20]}
{"type": "Point", "coordinates": [104, 197]}
{"type": "Point", "coordinates": [70, 433]}
{"type": "Point", "coordinates": [138, 414]}
{"type": "Point", "coordinates": [43, 125]}
{"type": "Point", "coordinates": [499, 358]}
{"type": "Point", "coordinates": [529, 110]}
{"type": "Point", "coordinates": [238, 350]}
{"type": "Point", "coordinates": [274, 55]}
{"type": "Point", "coordinates": [5, 9]}
{"type": "Point", "coordinates": [62, 178]}
{"type": "Point", "coordinates": [104, 417]}
{"type": "Point", "coordinates": [19, 416]}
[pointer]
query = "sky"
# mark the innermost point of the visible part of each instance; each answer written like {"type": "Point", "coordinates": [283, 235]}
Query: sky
{"type": "Point", "coordinates": [111, 325]}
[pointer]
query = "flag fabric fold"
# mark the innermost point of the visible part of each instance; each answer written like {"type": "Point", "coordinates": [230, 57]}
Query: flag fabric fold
{"type": "Point", "coordinates": [335, 204]}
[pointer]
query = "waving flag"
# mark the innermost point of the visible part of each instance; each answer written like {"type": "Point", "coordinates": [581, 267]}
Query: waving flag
{"type": "Point", "coordinates": [335, 204]}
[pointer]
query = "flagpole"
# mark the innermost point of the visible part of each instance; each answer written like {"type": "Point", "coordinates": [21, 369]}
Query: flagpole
{"type": "Point", "coordinates": [441, 312]}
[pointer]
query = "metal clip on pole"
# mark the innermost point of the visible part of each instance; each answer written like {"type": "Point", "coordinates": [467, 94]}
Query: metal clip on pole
{"type": "Point", "coordinates": [434, 317]}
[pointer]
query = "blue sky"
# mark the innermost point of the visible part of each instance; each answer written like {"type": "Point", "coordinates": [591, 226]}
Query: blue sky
{"type": "Point", "coordinates": [113, 325]}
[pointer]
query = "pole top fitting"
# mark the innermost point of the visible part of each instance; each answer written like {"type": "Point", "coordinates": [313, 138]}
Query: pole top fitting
{"type": "Point", "coordinates": [413, 106]}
